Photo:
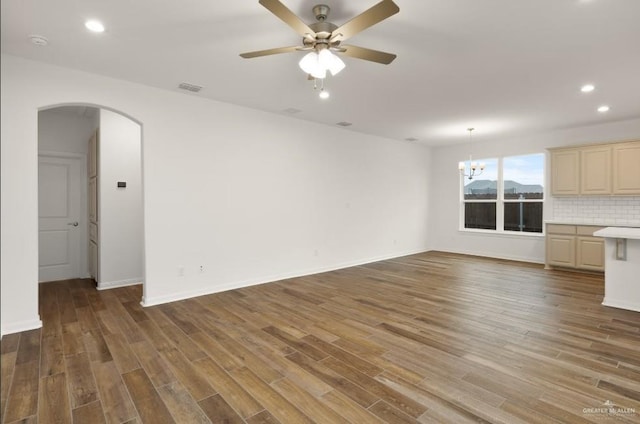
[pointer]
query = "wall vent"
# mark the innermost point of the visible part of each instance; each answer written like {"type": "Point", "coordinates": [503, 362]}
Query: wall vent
{"type": "Point", "coordinates": [190, 87]}
{"type": "Point", "coordinates": [344, 124]}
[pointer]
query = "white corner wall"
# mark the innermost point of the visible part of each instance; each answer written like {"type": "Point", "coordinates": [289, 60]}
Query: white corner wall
{"type": "Point", "coordinates": [249, 196]}
{"type": "Point", "coordinates": [60, 131]}
{"type": "Point", "coordinates": [444, 231]}
{"type": "Point", "coordinates": [120, 217]}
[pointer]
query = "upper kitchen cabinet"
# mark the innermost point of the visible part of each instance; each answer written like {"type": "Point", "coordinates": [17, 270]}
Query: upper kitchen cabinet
{"type": "Point", "coordinates": [626, 168]}
{"type": "Point", "coordinates": [565, 172]}
{"type": "Point", "coordinates": [596, 170]}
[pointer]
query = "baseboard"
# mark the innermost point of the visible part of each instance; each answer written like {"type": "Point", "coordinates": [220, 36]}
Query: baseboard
{"type": "Point", "coordinates": [621, 304]}
{"type": "Point", "coordinates": [17, 327]}
{"type": "Point", "coordinates": [157, 300]}
{"type": "Point", "coordinates": [106, 285]}
{"type": "Point", "coordinates": [484, 255]}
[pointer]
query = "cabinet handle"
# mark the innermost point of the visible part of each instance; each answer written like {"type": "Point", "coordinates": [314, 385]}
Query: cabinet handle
{"type": "Point", "coordinates": [75, 224]}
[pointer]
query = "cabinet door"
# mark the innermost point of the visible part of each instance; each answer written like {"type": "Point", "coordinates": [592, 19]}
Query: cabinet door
{"type": "Point", "coordinates": [565, 172]}
{"type": "Point", "coordinates": [561, 250]}
{"type": "Point", "coordinates": [590, 253]}
{"type": "Point", "coordinates": [595, 170]}
{"type": "Point", "coordinates": [626, 168]}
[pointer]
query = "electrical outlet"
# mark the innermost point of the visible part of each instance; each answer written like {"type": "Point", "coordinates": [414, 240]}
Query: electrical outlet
{"type": "Point", "coordinates": [201, 269]}
{"type": "Point", "coordinates": [180, 271]}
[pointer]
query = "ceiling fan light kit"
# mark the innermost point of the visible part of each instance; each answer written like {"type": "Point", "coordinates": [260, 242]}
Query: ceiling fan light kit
{"type": "Point", "coordinates": [322, 39]}
{"type": "Point", "coordinates": [317, 64]}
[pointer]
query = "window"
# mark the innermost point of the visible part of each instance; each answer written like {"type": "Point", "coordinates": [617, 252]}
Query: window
{"type": "Point", "coordinates": [506, 197]}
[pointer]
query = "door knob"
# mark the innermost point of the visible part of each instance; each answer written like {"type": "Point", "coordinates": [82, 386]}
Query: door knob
{"type": "Point", "coordinates": [75, 224]}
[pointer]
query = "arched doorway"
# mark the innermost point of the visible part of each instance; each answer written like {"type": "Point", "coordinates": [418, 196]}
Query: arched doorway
{"type": "Point", "coordinates": [90, 195]}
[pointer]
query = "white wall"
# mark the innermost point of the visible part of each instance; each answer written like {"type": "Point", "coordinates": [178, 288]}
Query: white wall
{"type": "Point", "coordinates": [248, 195]}
{"type": "Point", "coordinates": [120, 217]}
{"type": "Point", "coordinates": [444, 231]}
{"type": "Point", "coordinates": [64, 131]}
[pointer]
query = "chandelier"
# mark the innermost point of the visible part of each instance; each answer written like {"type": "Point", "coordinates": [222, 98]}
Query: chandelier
{"type": "Point", "coordinates": [475, 168]}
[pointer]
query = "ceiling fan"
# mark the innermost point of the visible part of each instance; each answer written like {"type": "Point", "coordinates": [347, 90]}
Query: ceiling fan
{"type": "Point", "coordinates": [322, 38]}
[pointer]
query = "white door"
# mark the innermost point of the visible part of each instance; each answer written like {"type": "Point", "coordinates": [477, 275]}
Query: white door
{"type": "Point", "coordinates": [59, 222]}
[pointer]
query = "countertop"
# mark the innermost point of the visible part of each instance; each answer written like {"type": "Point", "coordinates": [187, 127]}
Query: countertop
{"type": "Point", "coordinates": [625, 224]}
{"type": "Point", "coordinates": [619, 232]}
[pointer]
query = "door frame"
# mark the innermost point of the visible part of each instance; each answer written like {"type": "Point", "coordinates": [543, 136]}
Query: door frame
{"type": "Point", "coordinates": [83, 265]}
{"type": "Point", "coordinates": [142, 161]}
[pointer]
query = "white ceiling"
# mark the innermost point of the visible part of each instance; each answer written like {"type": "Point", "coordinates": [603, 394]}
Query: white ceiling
{"type": "Point", "coordinates": [505, 67]}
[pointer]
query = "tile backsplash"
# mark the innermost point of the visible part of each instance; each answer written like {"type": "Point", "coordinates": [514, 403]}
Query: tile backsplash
{"type": "Point", "coordinates": [607, 210]}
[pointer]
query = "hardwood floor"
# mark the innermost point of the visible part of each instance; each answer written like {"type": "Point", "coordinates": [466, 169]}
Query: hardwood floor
{"type": "Point", "coordinates": [429, 338]}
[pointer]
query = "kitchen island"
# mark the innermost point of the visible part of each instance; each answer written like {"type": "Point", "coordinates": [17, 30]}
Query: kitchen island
{"type": "Point", "coordinates": [622, 267]}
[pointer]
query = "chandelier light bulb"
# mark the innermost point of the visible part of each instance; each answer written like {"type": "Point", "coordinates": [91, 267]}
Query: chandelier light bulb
{"type": "Point", "coordinates": [310, 64]}
{"type": "Point", "coordinates": [324, 94]}
{"type": "Point", "coordinates": [330, 61]}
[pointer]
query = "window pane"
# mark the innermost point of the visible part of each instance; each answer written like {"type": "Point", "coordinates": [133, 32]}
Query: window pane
{"type": "Point", "coordinates": [523, 216]}
{"type": "Point", "coordinates": [523, 177]}
{"type": "Point", "coordinates": [484, 186]}
{"type": "Point", "coordinates": [480, 215]}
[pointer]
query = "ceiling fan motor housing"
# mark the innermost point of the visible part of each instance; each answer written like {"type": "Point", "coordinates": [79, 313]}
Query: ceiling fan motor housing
{"type": "Point", "coordinates": [321, 11]}
{"type": "Point", "coordinates": [322, 31]}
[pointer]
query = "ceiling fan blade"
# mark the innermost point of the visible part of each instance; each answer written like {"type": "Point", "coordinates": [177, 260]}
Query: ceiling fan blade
{"type": "Point", "coordinates": [370, 17]}
{"type": "Point", "coordinates": [268, 52]}
{"type": "Point", "coordinates": [368, 54]}
{"type": "Point", "coordinates": [287, 16]}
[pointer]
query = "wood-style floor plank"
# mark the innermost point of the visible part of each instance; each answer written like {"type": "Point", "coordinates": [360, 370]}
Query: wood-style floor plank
{"type": "Point", "coordinates": [116, 403]}
{"type": "Point", "coordinates": [82, 387]}
{"type": "Point", "coordinates": [219, 411]}
{"type": "Point", "coordinates": [89, 413]}
{"type": "Point", "coordinates": [148, 403]}
{"type": "Point", "coordinates": [230, 390]}
{"type": "Point", "coordinates": [22, 401]}
{"type": "Point", "coordinates": [426, 338]}
{"type": "Point", "coordinates": [53, 402]}
{"type": "Point", "coordinates": [7, 362]}
{"type": "Point", "coordinates": [181, 405]}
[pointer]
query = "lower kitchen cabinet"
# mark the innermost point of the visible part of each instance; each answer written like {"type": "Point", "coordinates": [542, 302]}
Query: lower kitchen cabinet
{"type": "Point", "coordinates": [573, 246]}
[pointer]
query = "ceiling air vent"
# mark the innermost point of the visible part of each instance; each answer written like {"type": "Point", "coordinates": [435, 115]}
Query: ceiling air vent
{"type": "Point", "coordinates": [411, 139]}
{"type": "Point", "coordinates": [190, 87]}
{"type": "Point", "coordinates": [344, 124]}
{"type": "Point", "coordinates": [291, 111]}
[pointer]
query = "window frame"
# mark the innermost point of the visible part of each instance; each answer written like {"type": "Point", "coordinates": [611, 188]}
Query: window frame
{"type": "Point", "coordinates": [500, 201]}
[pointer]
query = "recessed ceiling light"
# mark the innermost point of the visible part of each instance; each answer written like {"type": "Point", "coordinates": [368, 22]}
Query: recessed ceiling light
{"type": "Point", "coordinates": [603, 109]}
{"type": "Point", "coordinates": [94, 26]}
{"type": "Point", "coordinates": [587, 88]}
